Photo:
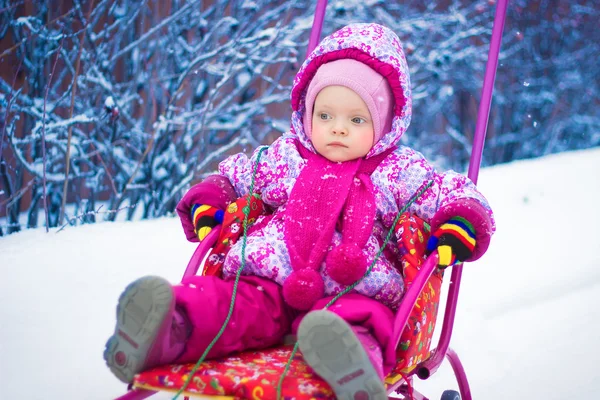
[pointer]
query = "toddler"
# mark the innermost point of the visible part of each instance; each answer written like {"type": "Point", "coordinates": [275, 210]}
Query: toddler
{"type": "Point", "coordinates": [332, 186]}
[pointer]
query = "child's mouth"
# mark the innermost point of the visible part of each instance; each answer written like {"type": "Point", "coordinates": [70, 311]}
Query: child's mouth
{"type": "Point", "coordinates": [337, 144]}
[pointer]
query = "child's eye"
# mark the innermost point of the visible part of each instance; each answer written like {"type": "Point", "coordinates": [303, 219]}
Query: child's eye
{"type": "Point", "coordinates": [324, 116]}
{"type": "Point", "coordinates": [358, 120]}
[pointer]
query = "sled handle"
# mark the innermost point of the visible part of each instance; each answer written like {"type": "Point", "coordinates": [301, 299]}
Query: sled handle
{"type": "Point", "coordinates": [483, 113]}
{"type": "Point", "coordinates": [433, 363]}
{"type": "Point", "coordinates": [317, 26]}
{"type": "Point", "coordinates": [201, 251]}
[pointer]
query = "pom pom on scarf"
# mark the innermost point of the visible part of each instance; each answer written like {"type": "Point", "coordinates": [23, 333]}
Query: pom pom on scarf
{"type": "Point", "coordinates": [346, 264]}
{"type": "Point", "coordinates": [303, 288]}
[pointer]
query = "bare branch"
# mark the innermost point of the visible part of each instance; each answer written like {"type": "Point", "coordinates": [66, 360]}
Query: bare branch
{"type": "Point", "coordinates": [44, 197]}
{"type": "Point", "coordinates": [73, 93]}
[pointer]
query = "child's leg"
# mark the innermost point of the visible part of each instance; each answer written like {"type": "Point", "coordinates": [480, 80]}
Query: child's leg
{"type": "Point", "coordinates": [260, 317]}
{"type": "Point", "coordinates": [361, 311]}
{"type": "Point", "coordinates": [159, 324]}
{"type": "Point", "coordinates": [372, 348]}
{"type": "Point", "coordinates": [149, 329]}
{"type": "Point", "coordinates": [335, 351]}
{"type": "Point", "coordinates": [364, 321]}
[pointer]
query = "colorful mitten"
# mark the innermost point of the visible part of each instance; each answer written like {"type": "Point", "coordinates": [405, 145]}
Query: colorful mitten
{"type": "Point", "coordinates": [454, 241]}
{"type": "Point", "coordinates": [205, 218]}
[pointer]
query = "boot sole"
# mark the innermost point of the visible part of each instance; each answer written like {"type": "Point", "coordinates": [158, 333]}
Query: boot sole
{"type": "Point", "coordinates": [331, 348]}
{"type": "Point", "coordinates": [140, 313]}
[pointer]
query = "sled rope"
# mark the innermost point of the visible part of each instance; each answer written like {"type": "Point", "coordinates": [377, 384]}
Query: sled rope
{"type": "Point", "coordinates": [246, 211]}
{"type": "Point", "coordinates": [349, 288]}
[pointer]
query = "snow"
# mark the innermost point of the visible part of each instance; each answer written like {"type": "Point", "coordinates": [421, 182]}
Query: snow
{"type": "Point", "coordinates": [76, 119]}
{"type": "Point", "coordinates": [249, 5]}
{"type": "Point", "coordinates": [27, 21]}
{"type": "Point", "coordinates": [526, 316]}
{"type": "Point", "coordinates": [243, 78]}
{"type": "Point", "coordinates": [109, 102]}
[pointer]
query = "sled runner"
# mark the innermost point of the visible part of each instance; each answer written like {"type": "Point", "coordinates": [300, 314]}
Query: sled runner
{"type": "Point", "coordinates": [256, 374]}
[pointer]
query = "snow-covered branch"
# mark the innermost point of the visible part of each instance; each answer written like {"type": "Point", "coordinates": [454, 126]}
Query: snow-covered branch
{"type": "Point", "coordinates": [165, 90]}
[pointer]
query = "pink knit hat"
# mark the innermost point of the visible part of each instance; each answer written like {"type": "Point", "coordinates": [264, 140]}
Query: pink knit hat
{"type": "Point", "coordinates": [364, 81]}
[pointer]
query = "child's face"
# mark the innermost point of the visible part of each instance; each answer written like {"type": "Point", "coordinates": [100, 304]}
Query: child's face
{"type": "Point", "coordinates": [342, 129]}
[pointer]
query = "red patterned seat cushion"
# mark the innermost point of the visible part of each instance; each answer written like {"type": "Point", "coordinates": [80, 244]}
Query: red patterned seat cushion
{"type": "Point", "coordinates": [249, 375]}
{"type": "Point", "coordinates": [415, 341]}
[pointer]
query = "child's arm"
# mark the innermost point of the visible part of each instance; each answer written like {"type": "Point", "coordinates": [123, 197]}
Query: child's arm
{"type": "Point", "coordinates": [274, 176]}
{"type": "Point", "coordinates": [199, 209]}
{"type": "Point", "coordinates": [458, 198]}
{"type": "Point", "coordinates": [451, 198]}
{"type": "Point", "coordinates": [202, 201]}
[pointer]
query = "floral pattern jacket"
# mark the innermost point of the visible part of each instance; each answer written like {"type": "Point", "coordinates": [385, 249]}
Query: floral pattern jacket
{"type": "Point", "coordinates": [397, 178]}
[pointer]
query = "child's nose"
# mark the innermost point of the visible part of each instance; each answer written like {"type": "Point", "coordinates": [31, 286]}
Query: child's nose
{"type": "Point", "coordinates": [340, 129]}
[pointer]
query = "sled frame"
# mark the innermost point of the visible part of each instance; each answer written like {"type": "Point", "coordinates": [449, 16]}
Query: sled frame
{"type": "Point", "coordinates": [429, 366]}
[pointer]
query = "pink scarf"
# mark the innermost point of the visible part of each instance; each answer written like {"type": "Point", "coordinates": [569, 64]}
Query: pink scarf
{"type": "Point", "coordinates": [323, 191]}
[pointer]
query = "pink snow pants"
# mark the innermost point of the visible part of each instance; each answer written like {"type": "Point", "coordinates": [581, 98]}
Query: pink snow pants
{"type": "Point", "coordinates": [261, 318]}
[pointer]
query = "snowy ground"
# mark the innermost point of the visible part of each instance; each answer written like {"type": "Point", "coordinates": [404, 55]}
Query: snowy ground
{"type": "Point", "coordinates": [526, 323]}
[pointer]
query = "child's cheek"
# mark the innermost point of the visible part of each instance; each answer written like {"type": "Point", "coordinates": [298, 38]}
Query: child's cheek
{"type": "Point", "coordinates": [367, 139]}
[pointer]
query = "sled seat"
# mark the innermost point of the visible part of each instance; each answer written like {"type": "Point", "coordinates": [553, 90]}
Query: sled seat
{"type": "Point", "coordinates": [248, 375]}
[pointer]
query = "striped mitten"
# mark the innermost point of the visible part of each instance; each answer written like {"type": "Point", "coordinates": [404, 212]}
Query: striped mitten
{"type": "Point", "coordinates": [454, 241]}
{"type": "Point", "coordinates": [205, 218]}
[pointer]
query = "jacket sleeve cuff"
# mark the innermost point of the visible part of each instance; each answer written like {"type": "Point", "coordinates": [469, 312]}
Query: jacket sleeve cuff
{"type": "Point", "coordinates": [215, 191]}
{"type": "Point", "coordinates": [476, 214]}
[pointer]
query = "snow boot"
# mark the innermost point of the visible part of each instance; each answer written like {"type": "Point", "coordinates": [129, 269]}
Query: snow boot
{"type": "Point", "coordinates": [150, 331]}
{"type": "Point", "coordinates": [332, 349]}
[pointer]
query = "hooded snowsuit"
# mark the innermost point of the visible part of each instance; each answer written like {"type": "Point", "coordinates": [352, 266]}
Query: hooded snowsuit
{"type": "Point", "coordinates": [398, 176]}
